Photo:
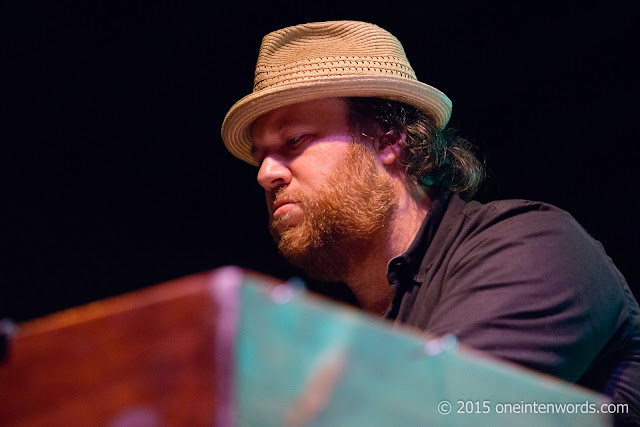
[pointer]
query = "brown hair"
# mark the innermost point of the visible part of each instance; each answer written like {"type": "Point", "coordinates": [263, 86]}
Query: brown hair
{"type": "Point", "coordinates": [435, 159]}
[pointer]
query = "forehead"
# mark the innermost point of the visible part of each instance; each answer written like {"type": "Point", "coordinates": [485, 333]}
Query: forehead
{"type": "Point", "coordinates": [318, 112]}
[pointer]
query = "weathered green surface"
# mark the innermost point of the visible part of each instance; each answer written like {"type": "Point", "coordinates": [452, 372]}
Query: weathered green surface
{"type": "Point", "coordinates": [304, 361]}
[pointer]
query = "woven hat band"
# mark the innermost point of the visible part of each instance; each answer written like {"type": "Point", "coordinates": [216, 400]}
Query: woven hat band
{"type": "Point", "coordinates": [320, 68]}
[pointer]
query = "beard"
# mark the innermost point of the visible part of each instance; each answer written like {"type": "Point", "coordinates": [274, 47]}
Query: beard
{"type": "Point", "coordinates": [343, 221]}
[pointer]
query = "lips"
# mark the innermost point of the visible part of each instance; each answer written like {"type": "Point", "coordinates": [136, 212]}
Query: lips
{"type": "Point", "coordinates": [281, 206]}
{"type": "Point", "coordinates": [280, 203]}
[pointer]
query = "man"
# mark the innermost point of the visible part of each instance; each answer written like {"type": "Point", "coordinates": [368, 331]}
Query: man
{"type": "Point", "coordinates": [365, 186]}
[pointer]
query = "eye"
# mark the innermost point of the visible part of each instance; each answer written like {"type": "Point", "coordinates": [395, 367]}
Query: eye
{"type": "Point", "coordinates": [297, 143]}
{"type": "Point", "coordinates": [293, 142]}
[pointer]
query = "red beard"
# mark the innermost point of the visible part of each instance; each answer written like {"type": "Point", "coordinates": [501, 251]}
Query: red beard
{"type": "Point", "coordinates": [341, 221]}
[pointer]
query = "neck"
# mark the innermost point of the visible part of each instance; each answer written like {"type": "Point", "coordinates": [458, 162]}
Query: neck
{"type": "Point", "coordinates": [367, 278]}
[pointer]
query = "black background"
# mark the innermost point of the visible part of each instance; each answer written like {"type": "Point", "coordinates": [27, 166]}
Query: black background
{"type": "Point", "coordinates": [115, 176]}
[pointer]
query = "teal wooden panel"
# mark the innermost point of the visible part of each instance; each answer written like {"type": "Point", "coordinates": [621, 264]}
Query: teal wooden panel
{"type": "Point", "coordinates": [302, 360]}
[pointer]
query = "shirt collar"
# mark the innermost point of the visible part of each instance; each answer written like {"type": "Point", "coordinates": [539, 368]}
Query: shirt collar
{"type": "Point", "coordinates": [403, 270]}
{"type": "Point", "coordinates": [411, 258]}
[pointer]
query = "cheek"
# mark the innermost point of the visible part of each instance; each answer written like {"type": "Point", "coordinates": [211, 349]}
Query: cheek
{"type": "Point", "coordinates": [313, 178]}
{"type": "Point", "coordinates": [319, 163]}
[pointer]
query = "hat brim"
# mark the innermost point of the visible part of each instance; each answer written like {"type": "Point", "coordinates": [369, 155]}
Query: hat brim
{"type": "Point", "coordinates": [236, 128]}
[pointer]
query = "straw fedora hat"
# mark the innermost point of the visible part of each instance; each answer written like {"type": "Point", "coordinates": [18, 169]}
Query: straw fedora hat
{"type": "Point", "coordinates": [328, 59]}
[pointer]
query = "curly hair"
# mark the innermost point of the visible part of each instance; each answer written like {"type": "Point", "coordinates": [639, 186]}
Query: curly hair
{"type": "Point", "coordinates": [433, 158]}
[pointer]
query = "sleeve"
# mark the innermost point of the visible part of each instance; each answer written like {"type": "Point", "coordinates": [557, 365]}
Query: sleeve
{"type": "Point", "coordinates": [534, 289]}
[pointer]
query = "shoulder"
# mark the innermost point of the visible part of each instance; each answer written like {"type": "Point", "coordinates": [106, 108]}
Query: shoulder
{"type": "Point", "coordinates": [537, 233]}
{"type": "Point", "coordinates": [508, 218]}
{"type": "Point", "coordinates": [528, 220]}
{"type": "Point", "coordinates": [504, 210]}
{"type": "Point", "coordinates": [533, 251]}
{"type": "Point", "coordinates": [518, 277]}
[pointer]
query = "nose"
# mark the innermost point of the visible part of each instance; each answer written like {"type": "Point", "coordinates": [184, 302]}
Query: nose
{"type": "Point", "coordinates": [273, 173]}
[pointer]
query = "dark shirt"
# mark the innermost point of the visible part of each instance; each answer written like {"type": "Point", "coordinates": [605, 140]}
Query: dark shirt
{"type": "Point", "coordinates": [524, 282]}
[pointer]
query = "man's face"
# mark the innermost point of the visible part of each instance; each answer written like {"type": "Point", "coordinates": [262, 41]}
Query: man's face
{"type": "Point", "coordinates": [327, 196]}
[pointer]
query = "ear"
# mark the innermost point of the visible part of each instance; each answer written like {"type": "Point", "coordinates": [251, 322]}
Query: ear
{"type": "Point", "coordinates": [389, 146]}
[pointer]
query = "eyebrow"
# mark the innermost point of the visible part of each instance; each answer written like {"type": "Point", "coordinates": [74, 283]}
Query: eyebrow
{"type": "Point", "coordinates": [282, 124]}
